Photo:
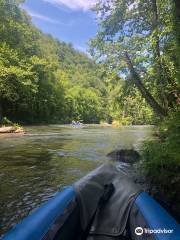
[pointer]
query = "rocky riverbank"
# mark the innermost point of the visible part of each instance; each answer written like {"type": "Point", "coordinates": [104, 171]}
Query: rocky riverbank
{"type": "Point", "coordinates": [11, 129]}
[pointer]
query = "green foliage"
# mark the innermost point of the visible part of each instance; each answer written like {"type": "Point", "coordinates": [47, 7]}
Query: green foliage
{"type": "Point", "coordinates": [161, 158]}
{"type": "Point", "coordinates": [6, 122]}
{"type": "Point", "coordinates": [123, 102]}
{"type": "Point", "coordinates": [144, 29]}
{"type": "Point", "coordinates": [38, 74]}
{"type": "Point", "coordinates": [84, 104]}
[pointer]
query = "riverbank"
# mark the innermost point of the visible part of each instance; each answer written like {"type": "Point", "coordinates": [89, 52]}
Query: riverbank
{"type": "Point", "coordinates": [161, 163]}
{"type": "Point", "coordinates": [160, 181]}
{"type": "Point", "coordinates": [11, 129]}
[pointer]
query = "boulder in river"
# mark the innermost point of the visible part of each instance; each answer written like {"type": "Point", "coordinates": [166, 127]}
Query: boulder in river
{"type": "Point", "coordinates": [124, 155]}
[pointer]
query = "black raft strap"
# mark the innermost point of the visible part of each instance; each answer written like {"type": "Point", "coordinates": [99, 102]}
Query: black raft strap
{"type": "Point", "coordinates": [107, 193]}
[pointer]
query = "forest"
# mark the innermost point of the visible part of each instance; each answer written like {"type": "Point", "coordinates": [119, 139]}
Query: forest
{"type": "Point", "coordinates": [131, 76]}
{"type": "Point", "coordinates": [43, 80]}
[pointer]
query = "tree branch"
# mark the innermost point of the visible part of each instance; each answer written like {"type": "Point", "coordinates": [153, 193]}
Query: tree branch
{"type": "Point", "coordinates": [145, 93]}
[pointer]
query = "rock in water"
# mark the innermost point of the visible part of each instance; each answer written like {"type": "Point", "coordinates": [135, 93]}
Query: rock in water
{"type": "Point", "coordinates": [11, 130]}
{"type": "Point", "coordinates": [6, 129]}
{"type": "Point", "coordinates": [124, 155]}
{"type": "Point", "coordinates": [61, 154]}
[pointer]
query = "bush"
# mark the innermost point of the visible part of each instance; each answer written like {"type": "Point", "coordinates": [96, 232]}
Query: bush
{"type": "Point", "coordinates": [6, 122]}
{"type": "Point", "coordinates": [161, 160]}
{"type": "Point", "coordinates": [124, 121]}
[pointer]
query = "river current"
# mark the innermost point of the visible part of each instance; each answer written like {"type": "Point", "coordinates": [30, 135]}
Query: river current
{"type": "Point", "coordinates": [33, 167]}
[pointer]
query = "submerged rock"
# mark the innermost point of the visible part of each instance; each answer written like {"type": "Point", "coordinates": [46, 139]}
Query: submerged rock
{"type": "Point", "coordinates": [61, 154]}
{"type": "Point", "coordinates": [124, 155]}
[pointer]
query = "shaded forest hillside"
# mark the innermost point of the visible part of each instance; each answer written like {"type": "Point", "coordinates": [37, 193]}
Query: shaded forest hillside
{"type": "Point", "coordinates": [44, 80]}
{"type": "Point", "coordinates": [41, 78]}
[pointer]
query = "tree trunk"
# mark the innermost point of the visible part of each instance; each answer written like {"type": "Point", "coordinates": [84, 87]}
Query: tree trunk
{"type": "Point", "coordinates": [161, 80]}
{"type": "Point", "coordinates": [145, 93]}
{"type": "Point", "coordinates": [177, 19]}
{"type": "Point", "coordinates": [155, 28]}
{"type": "Point", "coordinates": [177, 7]}
{"type": "Point", "coordinates": [1, 114]}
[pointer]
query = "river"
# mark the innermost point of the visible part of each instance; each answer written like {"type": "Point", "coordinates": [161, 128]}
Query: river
{"type": "Point", "coordinates": [35, 166]}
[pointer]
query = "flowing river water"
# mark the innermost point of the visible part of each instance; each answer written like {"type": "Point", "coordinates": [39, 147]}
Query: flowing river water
{"type": "Point", "coordinates": [33, 167]}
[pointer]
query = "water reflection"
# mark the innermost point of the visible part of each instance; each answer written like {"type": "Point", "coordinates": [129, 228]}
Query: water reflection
{"type": "Point", "coordinates": [31, 169]}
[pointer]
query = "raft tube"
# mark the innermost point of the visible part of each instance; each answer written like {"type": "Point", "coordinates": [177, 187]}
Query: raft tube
{"type": "Point", "coordinates": [36, 225]}
{"type": "Point", "coordinates": [160, 223]}
{"type": "Point", "coordinates": [59, 219]}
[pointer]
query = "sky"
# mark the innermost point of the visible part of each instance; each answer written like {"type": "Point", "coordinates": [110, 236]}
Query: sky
{"type": "Point", "coordinates": [70, 21]}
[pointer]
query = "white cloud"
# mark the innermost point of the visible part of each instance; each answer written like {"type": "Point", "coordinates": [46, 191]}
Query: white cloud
{"type": "Point", "coordinates": [81, 49]}
{"type": "Point", "coordinates": [44, 18]}
{"type": "Point", "coordinates": [74, 4]}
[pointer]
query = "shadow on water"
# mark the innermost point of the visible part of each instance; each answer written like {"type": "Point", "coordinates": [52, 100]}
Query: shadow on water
{"type": "Point", "coordinates": [35, 166]}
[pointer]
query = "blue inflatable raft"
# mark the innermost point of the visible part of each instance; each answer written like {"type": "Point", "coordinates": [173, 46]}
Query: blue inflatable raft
{"type": "Point", "coordinates": [75, 213]}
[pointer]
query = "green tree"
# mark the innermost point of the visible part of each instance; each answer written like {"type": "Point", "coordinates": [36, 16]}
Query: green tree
{"type": "Point", "coordinates": [133, 36]}
{"type": "Point", "coordinates": [84, 104]}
